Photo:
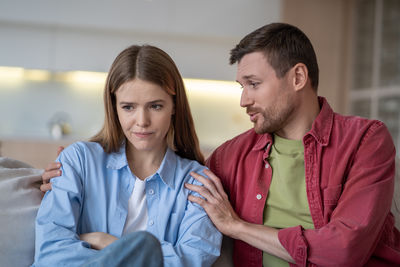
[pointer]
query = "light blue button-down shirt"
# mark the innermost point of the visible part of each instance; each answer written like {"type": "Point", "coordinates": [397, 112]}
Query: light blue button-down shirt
{"type": "Point", "coordinates": [92, 196]}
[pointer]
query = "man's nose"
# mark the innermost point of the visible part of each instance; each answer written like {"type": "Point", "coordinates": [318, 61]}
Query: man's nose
{"type": "Point", "coordinates": [245, 100]}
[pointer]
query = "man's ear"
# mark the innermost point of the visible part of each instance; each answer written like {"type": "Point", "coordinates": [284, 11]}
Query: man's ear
{"type": "Point", "coordinates": [300, 76]}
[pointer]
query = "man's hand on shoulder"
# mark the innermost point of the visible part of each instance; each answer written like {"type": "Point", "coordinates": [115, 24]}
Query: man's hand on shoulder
{"type": "Point", "coordinates": [215, 202]}
{"type": "Point", "coordinates": [52, 170]}
{"type": "Point", "coordinates": [217, 206]}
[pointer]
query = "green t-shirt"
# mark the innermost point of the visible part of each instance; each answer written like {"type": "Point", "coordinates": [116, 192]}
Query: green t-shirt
{"type": "Point", "coordinates": [286, 204]}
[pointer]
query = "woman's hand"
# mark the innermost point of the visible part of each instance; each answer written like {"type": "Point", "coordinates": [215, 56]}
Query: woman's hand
{"type": "Point", "coordinates": [98, 240]}
{"type": "Point", "coordinates": [52, 170]}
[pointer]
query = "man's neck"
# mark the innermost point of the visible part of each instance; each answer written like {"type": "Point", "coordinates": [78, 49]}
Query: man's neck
{"type": "Point", "coordinates": [303, 118]}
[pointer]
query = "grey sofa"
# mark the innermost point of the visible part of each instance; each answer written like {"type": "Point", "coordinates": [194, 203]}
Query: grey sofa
{"type": "Point", "coordinates": [20, 198]}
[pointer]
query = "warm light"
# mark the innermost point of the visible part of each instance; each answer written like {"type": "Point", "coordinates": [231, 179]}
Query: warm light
{"type": "Point", "coordinates": [37, 75]}
{"type": "Point", "coordinates": [12, 73]}
{"type": "Point", "coordinates": [85, 77]}
{"type": "Point", "coordinates": [211, 88]}
{"type": "Point", "coordinates": [8, 74]}
{"type": "Point", "coordinates": [89, 79]}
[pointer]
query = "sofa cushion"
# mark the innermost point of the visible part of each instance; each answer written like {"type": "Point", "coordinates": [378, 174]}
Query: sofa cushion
{"type": "Point", "coordinates": [19, 201]}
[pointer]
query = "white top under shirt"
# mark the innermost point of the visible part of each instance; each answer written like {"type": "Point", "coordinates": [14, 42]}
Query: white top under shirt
{"type": "Point", "coordinates": [136, 219]}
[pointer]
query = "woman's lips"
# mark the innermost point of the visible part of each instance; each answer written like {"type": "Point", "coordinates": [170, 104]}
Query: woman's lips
{"type": "Point", "coordinates": [142, 134]}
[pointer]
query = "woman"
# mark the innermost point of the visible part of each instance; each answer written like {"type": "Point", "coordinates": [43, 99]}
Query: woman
{"type": "Point", "coordinates": [131, 175]}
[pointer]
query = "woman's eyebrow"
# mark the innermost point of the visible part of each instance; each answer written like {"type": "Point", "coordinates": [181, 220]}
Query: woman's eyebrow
{"type": "Point", "coordinates": [149, 102]}
{"type": "Point", "coordinates": [156, 101]}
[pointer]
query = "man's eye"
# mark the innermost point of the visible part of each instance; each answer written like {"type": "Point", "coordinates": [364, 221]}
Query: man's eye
{"type": "Point", "coordinates": [254, 84]}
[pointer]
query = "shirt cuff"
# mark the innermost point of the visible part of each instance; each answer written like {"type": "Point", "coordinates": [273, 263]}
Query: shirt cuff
{"type": "Point", "coordinates": [293, 241]}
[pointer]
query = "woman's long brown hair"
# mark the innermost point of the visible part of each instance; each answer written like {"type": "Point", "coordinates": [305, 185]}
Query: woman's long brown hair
{"type": "Point", "coordinates": [151, 64]}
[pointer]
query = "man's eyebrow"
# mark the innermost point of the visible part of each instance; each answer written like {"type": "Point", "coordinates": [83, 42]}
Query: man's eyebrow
{"type": "Point", "coordinates": [247, 77]}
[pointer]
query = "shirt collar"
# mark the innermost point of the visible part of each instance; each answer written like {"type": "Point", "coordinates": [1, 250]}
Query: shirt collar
{"type": "Point", "coordinates": [167, 168]}
{"type": "Point", "coordinates": [166, 171]}
{"type": "Point", "coordinates": [117, 160]}
{"type": "Point", "coordinates": [322, 126]}
{"type": "Point", "coordinates": [263, 142]}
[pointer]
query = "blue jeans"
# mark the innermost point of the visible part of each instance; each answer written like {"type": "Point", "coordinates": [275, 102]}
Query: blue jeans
{"type": "Point", "coordinates": [135, 249]}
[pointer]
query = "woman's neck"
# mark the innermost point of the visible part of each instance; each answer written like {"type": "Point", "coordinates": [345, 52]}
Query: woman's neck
{"type": "Point", "coordinates": [144, 163]}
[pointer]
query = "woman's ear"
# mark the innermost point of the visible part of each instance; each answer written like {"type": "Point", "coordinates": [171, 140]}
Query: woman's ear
{"type": "Point", "coordinates": [300, 76]}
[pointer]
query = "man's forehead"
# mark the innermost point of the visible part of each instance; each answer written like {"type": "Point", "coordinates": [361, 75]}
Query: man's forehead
{"type": "Point", "coordinates": [250, 65]}
{"type": "Point", "coordinates": [257, 55]}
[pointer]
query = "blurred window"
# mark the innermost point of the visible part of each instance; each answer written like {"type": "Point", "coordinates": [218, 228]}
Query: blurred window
{"type": "Point", "coordinates": [375, 89]}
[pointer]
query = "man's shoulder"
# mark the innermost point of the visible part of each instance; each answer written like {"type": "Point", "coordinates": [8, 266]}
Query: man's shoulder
{"type": "Point", "coordinates": [358, 131]}
{"type": "Point", "coordinates": [351, 122]}
{"type": "Point", "coordinates": [330, 122]}
{"type": "Point", "coordinates": [239, 146]}
{"type": "Point", "coordinates": [246, 139]}
{"type": "Point", "coordinates": [240, 150]}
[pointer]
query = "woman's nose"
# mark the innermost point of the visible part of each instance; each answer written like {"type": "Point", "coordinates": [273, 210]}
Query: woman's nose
{"type": "Point", "coordinates": [142, 118]}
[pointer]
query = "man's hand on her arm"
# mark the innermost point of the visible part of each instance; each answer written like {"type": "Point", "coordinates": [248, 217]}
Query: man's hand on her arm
{"type": "Point", "coordinates": [52, 170]}
{"type": "Point", "coordinates": [215, 202]}
{"type": "Point", "coordinates": [217, 206]}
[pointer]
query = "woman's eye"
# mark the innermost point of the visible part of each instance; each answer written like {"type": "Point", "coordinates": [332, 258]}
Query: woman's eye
{"type": "Point", "coordinates": [156, 106]}
{"type": "Point", "coordinates": [127, 107]}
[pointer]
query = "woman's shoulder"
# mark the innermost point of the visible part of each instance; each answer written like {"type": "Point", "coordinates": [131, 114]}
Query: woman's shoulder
{"type": "Point", "coordinates": [84, 146]}
{"type": "Point", "coordinates": [189, 164]}
{"type": "Point", "coordinates": [185, 166]}
{"type": "Point", "coordinates": [81, 150]}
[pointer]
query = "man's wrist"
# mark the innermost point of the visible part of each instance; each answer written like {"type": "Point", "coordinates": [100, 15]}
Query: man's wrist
{"type": "Point", "coordinates": [237, 229]}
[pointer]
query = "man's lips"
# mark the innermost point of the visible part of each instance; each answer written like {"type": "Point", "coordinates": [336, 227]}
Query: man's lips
{"type": "Point", "coordinates": [252, 112]}
{"type": "Point", "coordinates": [252, 115]}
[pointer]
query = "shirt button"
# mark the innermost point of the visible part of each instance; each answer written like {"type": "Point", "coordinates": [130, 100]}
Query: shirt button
{"type": "Point", "coordinates": [151, 191]}
{"type": "Point", "coordinates": [259, 196]}
{"type": "Point", "coordinates": [151, 222]}
{"type": "Point", "coordinates": [266, 165]}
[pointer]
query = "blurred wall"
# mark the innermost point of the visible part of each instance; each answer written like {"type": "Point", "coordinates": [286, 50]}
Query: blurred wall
{"type": "Point", "coordinates": [328, 24]}
{"type": "Point", "coordinates": [87, 35]}
{"type": "Point", "coordinates": [61, 36]}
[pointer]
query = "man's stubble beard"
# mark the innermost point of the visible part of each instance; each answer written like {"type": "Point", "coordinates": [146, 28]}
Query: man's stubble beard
{"type": "Point", "coordinates": [275, 117]}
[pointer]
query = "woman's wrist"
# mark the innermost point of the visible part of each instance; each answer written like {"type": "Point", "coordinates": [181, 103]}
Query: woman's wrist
{"type": "Point", "coordinates": [98, 240]}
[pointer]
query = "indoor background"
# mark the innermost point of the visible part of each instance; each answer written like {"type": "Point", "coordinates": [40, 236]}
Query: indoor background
{"type": "Point", "coordinates": [54, 56]}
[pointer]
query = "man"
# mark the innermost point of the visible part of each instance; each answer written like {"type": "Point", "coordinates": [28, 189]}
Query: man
{"type": "Point", "coordinates": [306, 186]}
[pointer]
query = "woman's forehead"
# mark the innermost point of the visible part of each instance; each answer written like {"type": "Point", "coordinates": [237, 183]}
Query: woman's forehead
{"type": "Point", "coordinates": [140, 90]}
